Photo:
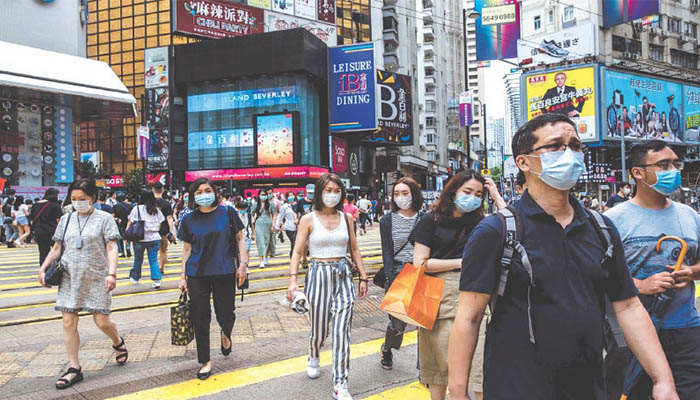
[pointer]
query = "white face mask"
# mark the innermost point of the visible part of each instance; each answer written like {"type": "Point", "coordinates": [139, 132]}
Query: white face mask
{"type": "Point", "coordinates": [626, 191]}
{"type": "Point", "coordinates": [331, 199]}
{"type": "Point", "coordinates": [404, 202]}
{"type": "Point", "coordinates": [82, 206]}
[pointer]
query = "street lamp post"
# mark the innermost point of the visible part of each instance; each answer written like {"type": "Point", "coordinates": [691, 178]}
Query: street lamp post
{"type": "Point", "coordinates": [467, 14]}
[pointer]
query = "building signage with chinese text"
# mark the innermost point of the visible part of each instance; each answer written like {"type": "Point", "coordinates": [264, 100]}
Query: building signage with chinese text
{"type": "Point", "coordinates": [691, 118]}
{"type": "Point", "coordinates": [567, 44]}
{"type": "Point", "coordinates": [395, 109]}
{"type": "Point", "coordinates": [216, 19]}
{"type": "Point", "coordinates": [351, 81]}
{"type": "Point", "coordinates": [465, 108]}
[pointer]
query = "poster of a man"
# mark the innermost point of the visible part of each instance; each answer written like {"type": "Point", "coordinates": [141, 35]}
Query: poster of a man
{"type": "Point", "coordinates": [563, 98]}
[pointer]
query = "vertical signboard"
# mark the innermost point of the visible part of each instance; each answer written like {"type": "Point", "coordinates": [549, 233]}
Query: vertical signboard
{"type": "Point", "coordinates": [340, 155]}
{"type": "Point", "coordinates": [395, 99]}
{"type": "Point", "coordinates": [143, 142]}
{"type": "Point", "coordinates": [305, 9]}
{"type": "Point", "coordinates": [326, 11]}
{"type": "Point", "coordinates": [691, 117]}
{"type": "Point", "coordinates": [498, 29]}
{"type": "Point", "coordinates": [567, 92]}
{"type": "Point", "coordinates": [158, 117]}
{"type": "Point", "coordinates": [351, 82]}
{"type": "Point", "coordinates": [643, 108]}
{"type": "Point", "coordinates": [465, 108]}
{"type": "Point", "coordinates": [617, 12]}
{"type": "Point", "coordinates": [217, 19]}
{"type": "Point", "coordinates": [63, 171]}
{"type": "Point", "coordinates": [156, 68]}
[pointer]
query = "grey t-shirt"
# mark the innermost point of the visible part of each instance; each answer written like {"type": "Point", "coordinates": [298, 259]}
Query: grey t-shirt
{"type": "Point", "coordinates": [640, 228]}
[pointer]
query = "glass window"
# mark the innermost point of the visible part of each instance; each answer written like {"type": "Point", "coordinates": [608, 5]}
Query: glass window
{"type": "Point", "coordinates": [656, 52]}
{"type": "Point", "coordinates": [430, 122]}
{"type": "Point", "coordinates": [568, 13]}
{"type": "Point", "coordinates": [551, 16]}
{"type": "Point", "coordinates": [674, 25]}
{"type": "Point", "coordinates": [691, 29]}
{"type": "Point", "coordinates": [538, 23]}
{"type": "Point", "coordinates": [684, 59]}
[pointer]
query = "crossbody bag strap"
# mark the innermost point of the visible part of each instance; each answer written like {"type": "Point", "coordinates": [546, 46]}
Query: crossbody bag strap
{"type": "Point", "coordinates": [63, 239]}
{"type": "Point", "coordinates": [40, 211]}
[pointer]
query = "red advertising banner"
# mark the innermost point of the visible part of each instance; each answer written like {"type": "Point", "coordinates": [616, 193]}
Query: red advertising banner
{"type": "Point", "coordinates": [326, 11]}
{"type": "Point", "coordinates": [295, 172]}
{"type": "Point", "coordinates": [217, 19]}
{"type": "Point", "coordinates": [116, 181]}
{"type": "Point", "coordinates": [340, 158]}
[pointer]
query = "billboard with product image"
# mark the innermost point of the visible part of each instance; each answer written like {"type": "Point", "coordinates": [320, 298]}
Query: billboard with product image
{"type": "Point", "coordinates": [281, 22]}
{"type": "Point", "coordinates": [691, 116]}
{"type": "Point", "coordinates": [275, 136]}
{"type": "Point", "coordinates": [643, 108]}
{"type": "Point", "coordinates": [570, 92]}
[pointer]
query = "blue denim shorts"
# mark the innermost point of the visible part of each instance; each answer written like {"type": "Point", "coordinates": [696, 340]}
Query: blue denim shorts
{"type": "Point", "coordinates": [22, 220]}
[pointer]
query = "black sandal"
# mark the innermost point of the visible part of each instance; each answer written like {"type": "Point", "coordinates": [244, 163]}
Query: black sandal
{"type": "Point", "coordinates": [224, 351]}
{"type": "Point", "coordinates": [64, 383]}
{"type": "Point", "coordinates": [121, 358]}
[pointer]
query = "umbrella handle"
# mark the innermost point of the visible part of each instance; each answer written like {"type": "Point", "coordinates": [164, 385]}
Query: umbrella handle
{"type": "Point", "coordinates": [681, 256]}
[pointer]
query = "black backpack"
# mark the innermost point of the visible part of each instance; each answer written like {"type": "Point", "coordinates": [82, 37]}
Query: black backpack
{"type": "Point", "coordinates": [512, 232]}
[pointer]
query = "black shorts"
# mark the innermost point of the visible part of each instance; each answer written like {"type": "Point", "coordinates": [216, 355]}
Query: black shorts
{"type": "Point", "coordinates": [682, 348]}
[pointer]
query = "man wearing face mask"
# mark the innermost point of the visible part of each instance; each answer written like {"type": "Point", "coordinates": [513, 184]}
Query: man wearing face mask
{"type": "Point", "coordinates": [544, 340]}
{"type": "Point", "coordinates": [641, 222]}
{"type": "Point", "coordinates": [621, 196]}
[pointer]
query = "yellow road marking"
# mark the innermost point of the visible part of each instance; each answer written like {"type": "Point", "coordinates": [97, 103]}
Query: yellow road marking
{"type": "Point", "coordinates": [249, 376]}
{"type": "Point", "coordinates": [413, 391]}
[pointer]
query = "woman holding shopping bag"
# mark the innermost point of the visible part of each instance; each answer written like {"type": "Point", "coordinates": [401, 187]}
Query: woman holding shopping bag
{"type": "Point", "coordinates": [214, 254]}
{"type": "Point", "coordinates": [329, 285]}
{"type": "Point", "coordinates": [397, 250]}
{"type": "Point", "coordinates": [438, 240]}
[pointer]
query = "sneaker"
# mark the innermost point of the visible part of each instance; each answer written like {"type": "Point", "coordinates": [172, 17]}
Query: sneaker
{"type": "Point", "coordinates": [133, 281]}
{"type": "Point", "coordinates": [313, 368]}
{"type": "Point", "coordinates": [340, 392]}
{"type": "Point", "coordinates": [156, 284]}
{"type": "Point", "coordinates": [387, 359]}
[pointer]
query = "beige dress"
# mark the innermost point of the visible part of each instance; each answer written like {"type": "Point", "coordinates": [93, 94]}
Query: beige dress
{"type": "Point", "coordinates": [83, 285]}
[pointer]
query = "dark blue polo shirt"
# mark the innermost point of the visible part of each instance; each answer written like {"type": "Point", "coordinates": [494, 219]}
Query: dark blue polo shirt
{"type": "Point", "coordinates": [567, 305]}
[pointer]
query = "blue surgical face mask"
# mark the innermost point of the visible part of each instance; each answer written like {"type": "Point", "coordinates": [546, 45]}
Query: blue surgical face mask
{"type": "Point", "coordinates": [263, 197]}
{"type": "Point", "coordinates": [204, 199]}
{"type": "Point", "coordinates": [310, 196]}
{"type": "Point", "coordinates": [667, 182]}
{"type": "Point", "coordinates": [467, 203]}
{"type": "Point", "coordinates": [290, 199]}
{"type": "Point", "coordinates": [300, 197]}
{"type": "Point", "coordinates": [561, 169]}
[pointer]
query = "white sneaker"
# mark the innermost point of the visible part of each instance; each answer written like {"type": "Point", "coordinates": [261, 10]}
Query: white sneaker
{"type": "Point", "coordinates": [340, 392]}
{"type": "Point", "coordinates": [313, 368]}
{"type": "Point", "coordinates": [133, 281]}
{"type": "Point", "coordinates": [155, 285]}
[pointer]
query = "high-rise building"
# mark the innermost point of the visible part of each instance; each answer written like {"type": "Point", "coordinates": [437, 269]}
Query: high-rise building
{"type": "Point", "coordinates": [495, 141]}
{"type": "Point", "coordinates": [354, 21]}
{"type": "Point", "coordinates": [512, 109]}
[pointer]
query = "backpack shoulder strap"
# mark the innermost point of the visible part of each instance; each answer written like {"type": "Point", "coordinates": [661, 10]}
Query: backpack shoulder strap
{"type": "Point", "coordinates": [603, 231]}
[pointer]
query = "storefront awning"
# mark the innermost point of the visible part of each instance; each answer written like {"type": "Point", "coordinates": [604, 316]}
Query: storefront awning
{"type": "Point", "coordinates": [91, 87]}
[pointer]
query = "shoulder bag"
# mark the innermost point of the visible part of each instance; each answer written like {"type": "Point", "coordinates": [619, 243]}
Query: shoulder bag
{"type": "Point", "coordinates": [137, 230]}
{"type": "Point", "coordinates": [54, 273]}
{"type": "Point", "coordinates": [348, 255]}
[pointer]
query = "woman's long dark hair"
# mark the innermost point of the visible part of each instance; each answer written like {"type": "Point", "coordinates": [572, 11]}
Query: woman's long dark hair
{"type": "Point", "coordinates": [19, 200]}
{"type": "Point", "coordinates": [444, 206]}
{"type": "Point", "coordinates": [259, 209]}
{"type": "Point", "coordinates": [149, 200]}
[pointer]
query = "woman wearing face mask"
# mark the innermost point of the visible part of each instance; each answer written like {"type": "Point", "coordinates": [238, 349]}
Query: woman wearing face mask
{"type": "Point", "coordinates": [287, 220]}
{"type": "Point", "coordinates": [265, 213]}
{"type": "Point", "coordinates": [329, 286]}
{"type": "Point", "coordinates": [438, 241]}
{"type": "Point", "coordinates": [150, 213]}
{"type": "Point", "coordinates": [89, 238]}
{"type": "Point", "coordinates": [213, 255]}
{"type": "Point", "coordinates": [397, 250]}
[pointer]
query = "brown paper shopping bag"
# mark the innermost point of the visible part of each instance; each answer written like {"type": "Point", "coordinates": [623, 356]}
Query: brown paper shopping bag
{"type": "Point", "coordinates": [414, 297]}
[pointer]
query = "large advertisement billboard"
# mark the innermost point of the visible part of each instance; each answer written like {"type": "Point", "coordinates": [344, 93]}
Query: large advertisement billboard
{"type": "Point", "coordinates": [566, 44]}
{"type": "Point", "coordinates": [395, 109]}
{"type": "Point", "coordinates": [156, 67]}
{"type": "Point", "coordinates": [158, 119]}
{"type": "Point", "coordinates": [351, 78]}
{"type": "Point", "coordinates": [498, 29]}
{"type": "Point", "coordinates": [568, 92]}
{"type": "Point", "coordinates": [617, 12]}
{"type": "Point", "coordinates": [691, 117]}
{"type": "Point", "coordinates": [281, 22]}
{"type": "Point", "coordinates": [275, 134]}
{"type": "Point", "coordinates": [643, 108]}
{"type": "Point", "coordinates": [216, 19]}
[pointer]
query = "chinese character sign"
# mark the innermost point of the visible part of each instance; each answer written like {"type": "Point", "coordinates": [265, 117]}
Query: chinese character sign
{"type": "Point", "coordinates": [216, 19]}
{"type": "Point", "coordinates": [498, 30]}
{"type": "Point", "coordinates": [326, 11]}
{"type": "Point", "coordinates": [465, 109]}
{"type": "Point", "coordinates": [691, 118]}
{"type": "Point", "coordinates": [351, 78]}
{"type": "Point", "coordinates": [395, 109]}
{"type": "Point", "coordinates": [641, 107]}
{"type": "Point", "coordinates": [567, 92]}
{"type": "Point", "coordinates": [340, 155]}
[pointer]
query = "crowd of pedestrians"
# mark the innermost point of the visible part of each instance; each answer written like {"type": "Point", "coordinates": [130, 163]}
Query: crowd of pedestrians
{"type": "Point", "coordinates": [537, 297]}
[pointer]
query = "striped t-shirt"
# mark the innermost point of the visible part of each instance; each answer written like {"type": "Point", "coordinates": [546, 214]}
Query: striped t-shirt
{"type": "Point", "coordinates": [401, 228]}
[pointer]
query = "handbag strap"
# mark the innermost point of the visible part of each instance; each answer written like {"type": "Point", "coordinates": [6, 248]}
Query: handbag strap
{"type": "Point", "coordinates": [406, 242]}
{"type": "Point", "coordinates": [40, 211]}
{"type": "Point", "coordinates": [63, 238]}
{"type": "Point", "coordinates": [347, 225]}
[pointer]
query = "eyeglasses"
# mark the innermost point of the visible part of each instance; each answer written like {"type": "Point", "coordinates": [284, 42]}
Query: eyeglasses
{"type": "Point", "coordinates": [549, 148]}
{"type": "Point", "coordinates": [666, 164]}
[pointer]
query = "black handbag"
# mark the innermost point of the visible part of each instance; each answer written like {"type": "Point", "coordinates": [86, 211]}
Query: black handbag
{"type": "Point", "coordinates": [137, 230]}
{"type": "Point", "coordinates": [54, 273]}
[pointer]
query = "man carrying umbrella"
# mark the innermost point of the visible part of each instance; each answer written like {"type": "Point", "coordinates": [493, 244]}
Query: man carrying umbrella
{"type": "Point", "coordinates": [641, 222]}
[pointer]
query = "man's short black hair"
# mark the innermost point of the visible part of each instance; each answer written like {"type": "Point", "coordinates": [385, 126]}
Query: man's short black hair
{"type": "Point", "coordinates": [638, 152]}
{"type": "Point", "coordinates": [626, 184]}
{"type": "Point", "coordinates": [102, 196]}
{"type": "Point", "coordinates": [158, 187]}
{"type": "Point", "coordinates": [520, 179]}
{"type": "Point", "coordinates": [121, 197]}
{"type": "Point", "coordinates": [524, 138]}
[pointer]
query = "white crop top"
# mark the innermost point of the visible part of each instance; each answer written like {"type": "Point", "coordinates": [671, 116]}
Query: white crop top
{"type": "Point", "coordinates": [324, 243]}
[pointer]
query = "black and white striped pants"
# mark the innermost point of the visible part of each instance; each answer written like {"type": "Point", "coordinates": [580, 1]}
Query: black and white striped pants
{"type": "Point", "coordinates": [331, 294]}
